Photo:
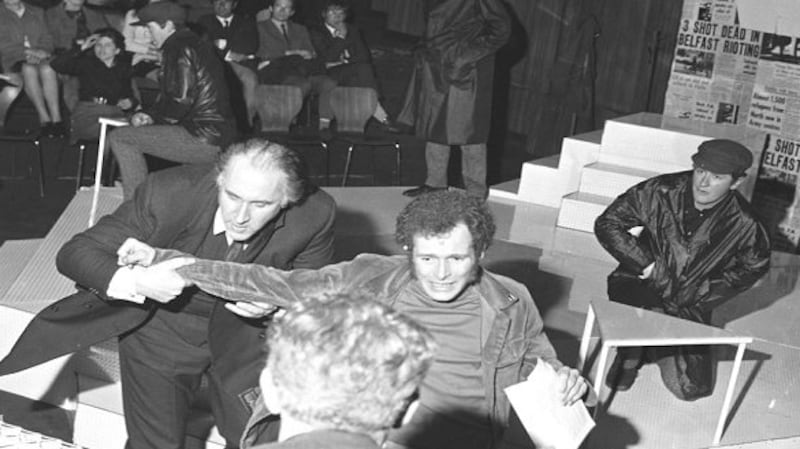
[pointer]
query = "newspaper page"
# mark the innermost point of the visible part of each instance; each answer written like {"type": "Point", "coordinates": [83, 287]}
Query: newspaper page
{"type": "Point", "coordinates": [724, 73]}
{"type": "Point", "coordinates": [715, 64]}
{"type": "Point", "coordinates": [549, 423]}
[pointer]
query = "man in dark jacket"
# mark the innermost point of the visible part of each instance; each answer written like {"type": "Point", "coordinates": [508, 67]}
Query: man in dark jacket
{"type": "Point", "coordinates": [489, 330]}
{"type": "Point", "coordinates": [192, 119]}
{"type": "Point", "coordinates": [256, 206]}
{"type": "Point", "coordinates": [236, 38]}
{"type": "Point", "coordinates": [686, 242]}
{"type": "Point", "coordinates": [449, 97]}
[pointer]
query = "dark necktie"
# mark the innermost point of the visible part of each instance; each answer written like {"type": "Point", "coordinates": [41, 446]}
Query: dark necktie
{"type": "Point", "coordinates": [226, 24]}
{"type": "Point", "coordinates": [235, 250]}
{"type": "Point", "coordinates": [285, 33]}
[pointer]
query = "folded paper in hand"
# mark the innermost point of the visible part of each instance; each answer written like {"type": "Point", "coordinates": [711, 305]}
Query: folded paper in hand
{"type": "Point", "coordinates": [539, 406]}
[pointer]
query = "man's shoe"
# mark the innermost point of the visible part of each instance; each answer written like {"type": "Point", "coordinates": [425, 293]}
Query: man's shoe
{"type": "Point", "coordinates": [421, 190]}
{"type": "Point", "coordinates": [59, 129]}
{"type": "Point", "coordinates": [619, 377]}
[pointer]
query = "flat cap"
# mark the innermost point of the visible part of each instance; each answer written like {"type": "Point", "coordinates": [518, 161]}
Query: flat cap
{"type": "Point", "coordinates": [723, 156]}
{"type": "Point", "coordinates": [161, 12]}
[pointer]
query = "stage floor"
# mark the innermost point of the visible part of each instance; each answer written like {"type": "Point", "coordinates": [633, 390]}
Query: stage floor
{"type": "Point", "coordinates": [564, 270]}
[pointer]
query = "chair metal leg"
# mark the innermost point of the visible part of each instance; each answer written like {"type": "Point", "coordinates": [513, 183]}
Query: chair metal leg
{"type": "Point", "coordinates": [399, 175]}
{"type": "Point", "coordinates": [347, 165]}
{"type": "Point", "coordinates": [81, 155]}
{"type": "Point", "coordinates": [38, 148]}
{"type": "Point", "coordinates": [327, 163]}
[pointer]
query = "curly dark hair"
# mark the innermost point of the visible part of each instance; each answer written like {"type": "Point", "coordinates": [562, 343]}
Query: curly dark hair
{"type": "Point", "coordinates": [439, 212]}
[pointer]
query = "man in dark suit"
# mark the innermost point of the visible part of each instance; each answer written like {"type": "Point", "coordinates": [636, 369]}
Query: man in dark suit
{"type": "Point", "coordinates": [255, 206]}
{"type": "Point", "coordinates": [286, 56]}
{"type": "Point", "coordinates": [236, 39]}
{"type": "Point", "coordinates": [341, 48]}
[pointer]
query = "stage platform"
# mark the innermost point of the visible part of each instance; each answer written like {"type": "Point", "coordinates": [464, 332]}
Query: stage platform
{"type": "Point", "coordinates": [563, 268]}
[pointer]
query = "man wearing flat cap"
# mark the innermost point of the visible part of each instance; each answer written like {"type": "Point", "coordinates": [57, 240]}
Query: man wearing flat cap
{"type": "Point", "coordinates": [192, 120]}
{"type": "Point", "coordinates": [686, 242]}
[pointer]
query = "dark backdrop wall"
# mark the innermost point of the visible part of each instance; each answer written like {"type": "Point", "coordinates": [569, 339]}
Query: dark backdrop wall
{"type": "Point", "coordinates": [572, 64]}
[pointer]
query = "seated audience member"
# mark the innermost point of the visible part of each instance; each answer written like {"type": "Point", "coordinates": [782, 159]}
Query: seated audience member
{"type": "Point", "coordinates": [286, 56]}
{"type": "Point", "coordinates": [192, 119]}
{"type": "Point", "coordinates": [236, 39]}
{"type": "Point", "coordinates": [487, 326]}
{"type": "Point", "coordinates": [104, 72]}
{"type": "Point", "coordinates": [340, 46]}
{"type": "Point", "coordinates": [340, 372]}
{"type": "Point", "coordinates": [70, 23]}
{"type": "Point", "coordinates": [25, 49]}
{"type": "Point", "coordinates": [257, 206]}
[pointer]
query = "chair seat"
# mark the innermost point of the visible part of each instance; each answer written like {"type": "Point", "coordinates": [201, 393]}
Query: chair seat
{"type": "Point", "coordinates": [18, 136]}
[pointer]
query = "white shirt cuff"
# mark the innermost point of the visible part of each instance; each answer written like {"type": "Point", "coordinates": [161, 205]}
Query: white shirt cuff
{"type": "Point", "coordinates": [123, 285]}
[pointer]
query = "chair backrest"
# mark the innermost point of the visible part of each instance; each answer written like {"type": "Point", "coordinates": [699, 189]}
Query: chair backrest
{"type": "Point", "coordinates": [277, 105]}
{"type": "Point", "coordinates": [352, 107]}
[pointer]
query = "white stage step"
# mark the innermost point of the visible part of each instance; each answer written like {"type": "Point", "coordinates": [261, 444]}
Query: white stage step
{"type": "Point", "coordinates": [14, 255]}
{"type": "Point", "coordinates": [505, 190]}
{"type": "Point", "coordinates": [579, 210]}
{"type": "Point", "coordinates": [545, 181]}
{"type": "Point", "coordinates": [611, 180]}
{"type": "Point", "coordinates": [641, 136]}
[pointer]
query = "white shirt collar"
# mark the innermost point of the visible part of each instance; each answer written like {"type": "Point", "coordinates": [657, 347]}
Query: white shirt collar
{"type": "Point", "coordinates": [331, 29]}
{"type": "Point", "coordinates": [219, 226]}
{"type": "Point", "coordinates": [280, 24]}
{"type": "Point", "coordinates": [224, 20]}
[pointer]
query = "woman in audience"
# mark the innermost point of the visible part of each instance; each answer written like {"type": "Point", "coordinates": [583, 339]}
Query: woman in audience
{"type": "Point", "coordinates": [104, 72]}
{"type": "Point", "coordinates": [347, 59]}
{"type": "Point", "coordinates": [25, 48]}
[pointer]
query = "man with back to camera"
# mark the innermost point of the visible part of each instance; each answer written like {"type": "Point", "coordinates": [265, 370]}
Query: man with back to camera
{"type": "Point", "coordinates": [255, 206]}
{"type": "Point", "coordinates": [487, 326]}
{"type": "Point", "coordinates": [341, 370]}
{"type": "Point", "coordinates": [192, 120]}
{"type": "Point", "coordinates": [686, 242]}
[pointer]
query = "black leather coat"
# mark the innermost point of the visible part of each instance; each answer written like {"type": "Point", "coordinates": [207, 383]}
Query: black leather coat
{"type": "Point", "coordinates": [727, 254]}
{"type": "Point", "coordinates": [193, 90]}
{"type": "Point", "coordinates": [693, 273]}
{"type": "Point", "coordinates": [449, 96]}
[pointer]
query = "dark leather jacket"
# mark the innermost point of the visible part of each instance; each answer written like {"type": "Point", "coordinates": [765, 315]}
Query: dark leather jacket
{"type": "Point", "coordinates": [193, 90]}
{"type": "Point", "coordinates": [693, 274]}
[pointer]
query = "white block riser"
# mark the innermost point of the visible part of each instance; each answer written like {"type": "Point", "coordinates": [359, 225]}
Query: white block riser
{"type": "Point", "coordinates": [607, 183]}
{"type": "Point", "coordinates": [644, 164]}
{"type": "Point", "coordinates": [579, 215]}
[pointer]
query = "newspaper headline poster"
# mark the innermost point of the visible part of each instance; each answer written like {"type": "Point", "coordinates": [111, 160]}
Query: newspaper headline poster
{"type": "Point", "coordinates": [723, 73]}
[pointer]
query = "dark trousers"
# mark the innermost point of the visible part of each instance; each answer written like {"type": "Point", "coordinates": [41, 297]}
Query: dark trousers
{"type": "Point", "coordinates": [687, 371]}
{"type": "Point", "coordinates": [161, 366]}
{"type": "Point", "coordinates": [359, 74]}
